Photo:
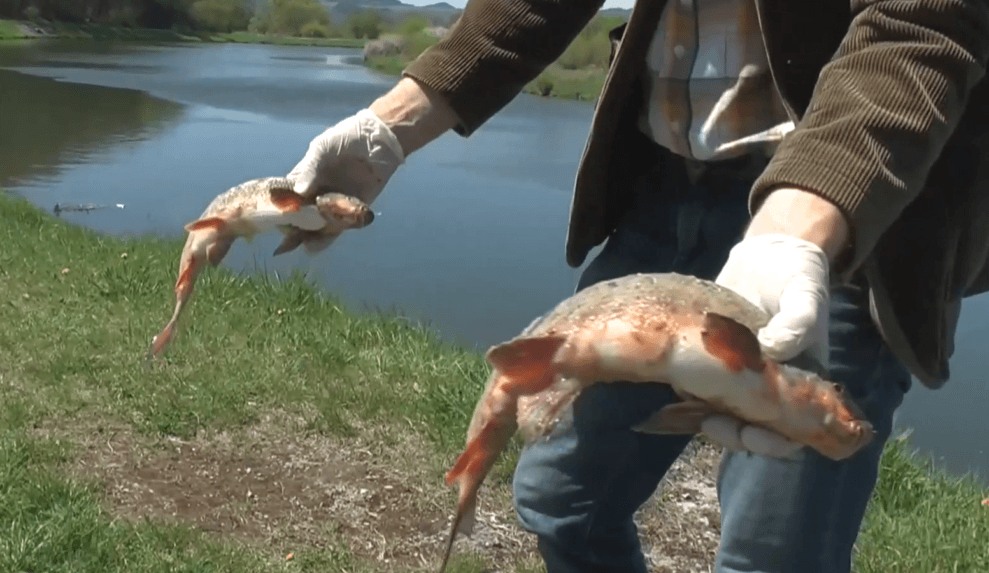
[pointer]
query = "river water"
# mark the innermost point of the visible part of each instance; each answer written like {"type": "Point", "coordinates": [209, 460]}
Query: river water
{"type": "Point", "coordinates": [470, 236]}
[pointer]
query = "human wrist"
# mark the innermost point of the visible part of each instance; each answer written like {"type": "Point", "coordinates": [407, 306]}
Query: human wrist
{"type": "Point", "coordinates": [804, 215]}
{"type": "Point", "coordinates": [414, 113]}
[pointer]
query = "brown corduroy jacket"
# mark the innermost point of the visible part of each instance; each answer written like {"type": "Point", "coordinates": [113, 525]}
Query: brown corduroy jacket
{"type": "Point", "coordinates": [892, 112]}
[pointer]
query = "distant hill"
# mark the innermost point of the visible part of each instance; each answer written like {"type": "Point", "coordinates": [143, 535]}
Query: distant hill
{"type": "Point", "coordinates": [439, 13]}
{"type": "Point", "coordinates": [622, 12]}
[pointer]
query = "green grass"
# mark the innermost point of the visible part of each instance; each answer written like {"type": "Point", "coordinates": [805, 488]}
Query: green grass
{"type": "Point", "coordinates": [75, 341]}
{"type": "Point", "coordinates": [555, 81]}
{"type": "Point", "coordinates": [253, 38]}
{"type": "Point", "coordinates": [922, 520]}
{"type": "Point", "coordinates": [72, 346]}
{"type": "Point", "coordinates": [390, 65]}
{"type": "Point", "coordinates": [51, 523]}
{"type": "Point", "coordinates": [9, 30]}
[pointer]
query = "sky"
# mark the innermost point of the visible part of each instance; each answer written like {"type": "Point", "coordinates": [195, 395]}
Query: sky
{"type": "Point", "coordinates": [461, 3]}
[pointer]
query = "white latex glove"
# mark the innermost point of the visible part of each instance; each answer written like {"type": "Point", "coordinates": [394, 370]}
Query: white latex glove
{"type": "Point", "coordinates": [357, 157]}
{"type": "Point", "coordinates": [788, 278]}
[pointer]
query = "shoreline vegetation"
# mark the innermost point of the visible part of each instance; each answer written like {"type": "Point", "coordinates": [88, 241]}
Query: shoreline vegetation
{"type": "Point", "coordinates": [388, 45]}
{"type": "Point", "coordinates": [348, 421]}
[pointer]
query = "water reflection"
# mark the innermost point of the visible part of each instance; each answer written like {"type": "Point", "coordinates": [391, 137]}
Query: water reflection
{"type": "Point", "coordinates": [48, 125]}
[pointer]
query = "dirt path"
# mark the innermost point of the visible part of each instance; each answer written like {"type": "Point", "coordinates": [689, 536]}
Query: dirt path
{"type": "Point", "coordinates": [276, 486]}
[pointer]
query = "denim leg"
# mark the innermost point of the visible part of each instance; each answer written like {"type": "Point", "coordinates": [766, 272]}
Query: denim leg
{"type": "Point", "coordinates": [578, 489]}
{"type": "Point", "coordinates": [804, 514]}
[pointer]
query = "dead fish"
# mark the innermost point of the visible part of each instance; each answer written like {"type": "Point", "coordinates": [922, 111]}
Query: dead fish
{"type": "Point", "coordinates": [692, 334]}
{"type": "Point", "coordinates": [255, 207]}
{"type": "Point", "coordinates": [85, 208]}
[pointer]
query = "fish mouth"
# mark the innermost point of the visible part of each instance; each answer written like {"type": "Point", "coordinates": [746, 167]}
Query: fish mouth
{"type": "Point", "coordinates": [366, 219]}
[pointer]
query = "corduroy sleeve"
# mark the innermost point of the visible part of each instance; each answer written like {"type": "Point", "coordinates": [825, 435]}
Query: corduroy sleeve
{"type": "Point", "coordinates": [882, 110]}
{"type": "Point", "coordinates": [495, 49]}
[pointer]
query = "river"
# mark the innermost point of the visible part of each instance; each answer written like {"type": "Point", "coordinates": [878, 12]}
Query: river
{"type": "Point", "coordinates": [471, 231]}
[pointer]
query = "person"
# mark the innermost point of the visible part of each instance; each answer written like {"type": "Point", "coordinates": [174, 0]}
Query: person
{"type": "Point", "coordinates": [854, 135]}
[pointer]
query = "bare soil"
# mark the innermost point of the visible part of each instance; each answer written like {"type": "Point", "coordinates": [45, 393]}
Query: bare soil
{"type": "Point", "coordinates": [274, 486]}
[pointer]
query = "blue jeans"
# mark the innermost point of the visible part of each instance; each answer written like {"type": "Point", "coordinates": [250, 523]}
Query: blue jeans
{"type": "Point", "coordinates": [579, 489]}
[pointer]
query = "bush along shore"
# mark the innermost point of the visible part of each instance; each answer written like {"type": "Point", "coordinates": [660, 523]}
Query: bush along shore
{"type": "Point", "coordinates": [13, 30]}
{"type": "Point", "coordinates": [579, 73]}
{"type": "Point", "coordinates": [286, 432]}
{"type": "Point", "coordinates": [297, 22]}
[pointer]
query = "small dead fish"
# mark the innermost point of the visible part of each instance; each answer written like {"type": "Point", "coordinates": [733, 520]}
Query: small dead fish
{"type": "Point", "coordinates": [85, 208]}
{"type": "Point", "coordinates": [692, 334]}
{"type": "Point", "coordinates": [252, 208]}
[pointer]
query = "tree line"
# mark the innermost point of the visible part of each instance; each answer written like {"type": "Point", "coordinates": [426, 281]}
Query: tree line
{"type": "Point", "coordinates": [290, 17]}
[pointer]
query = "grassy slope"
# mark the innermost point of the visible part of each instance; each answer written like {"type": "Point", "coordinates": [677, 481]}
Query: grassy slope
{"type": "Point", "coordinates": [79, 313]}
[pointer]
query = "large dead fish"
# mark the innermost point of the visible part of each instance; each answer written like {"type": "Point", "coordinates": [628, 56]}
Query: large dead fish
{"type": "Point", "coordinates": [255, 207]}
{"type": "Point", "coordinates": [692, 334]}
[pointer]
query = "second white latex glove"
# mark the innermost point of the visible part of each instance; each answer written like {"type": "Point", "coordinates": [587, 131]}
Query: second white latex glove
{"type": "Point", "coordinates": [788, 278]}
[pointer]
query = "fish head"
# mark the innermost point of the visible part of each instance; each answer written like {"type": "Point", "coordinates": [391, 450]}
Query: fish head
{"type": "Point", "coordinates": [343, 212]}
{"type": "Point", "coordinates": [841, 427]}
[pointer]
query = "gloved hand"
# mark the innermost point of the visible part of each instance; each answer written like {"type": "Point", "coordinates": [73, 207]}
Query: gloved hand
{"type": "Point", "coordinates": [788, 278]}
{"type": "Point", "coordinates": [357, 156]}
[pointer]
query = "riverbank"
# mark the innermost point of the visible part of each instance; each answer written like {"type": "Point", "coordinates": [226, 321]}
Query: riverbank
{"type": "Point", "coordinates": [555, 81]}
{"type": "Point", "coordinates": [287, 432]}
{"type": "Point", "coordinates": [12, 30]}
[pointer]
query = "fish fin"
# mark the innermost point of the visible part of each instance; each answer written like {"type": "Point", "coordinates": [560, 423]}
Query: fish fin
{"type": "Point", "coordinates": [160, 342]}
{"type": "Point", "coordinates": [218, 250]}
{"type": "Point", "coordinates": [525, 359]}
{"type": "Point", "coordinates": [187, 276]}
{"type": "Point", "coordinates": [287, 200]}
{"type": "Point", "coordinates": [215, 222]}
{"type": "Point", "coordinates": [676, 418]}
{"type": "Point", "coordinates": [189, 269]}
{"type": "Point", "coordinates": [463, 523]}
{"type": "Point", "coordinates": [317, 242]}
{"type": "Point", "coordinates": [732, 342]}
{"type": "Point", "coordinates": [291, 242]}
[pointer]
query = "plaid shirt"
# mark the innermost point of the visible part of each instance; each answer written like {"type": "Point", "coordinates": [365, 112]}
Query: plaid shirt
{"type": "Point", "coordinates": [709, 88]}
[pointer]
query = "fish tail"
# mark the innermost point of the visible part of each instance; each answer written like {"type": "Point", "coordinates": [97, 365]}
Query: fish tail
{"type": "Point", "coordinates": [160, 342]}
{"type": "Point", "coordinates": [188, 272]}
{"type": "Point", "coordinates": [462, 518]}
{"type": "Point", "coordinates": [497, 422]}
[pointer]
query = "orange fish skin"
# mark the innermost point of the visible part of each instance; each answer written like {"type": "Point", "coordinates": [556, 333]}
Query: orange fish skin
{"type": "Point", "coordinates": [692, 334]}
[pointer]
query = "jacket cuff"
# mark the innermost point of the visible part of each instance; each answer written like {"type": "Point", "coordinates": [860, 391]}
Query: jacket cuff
{"type": "Point", "coordinates": [869, 201]}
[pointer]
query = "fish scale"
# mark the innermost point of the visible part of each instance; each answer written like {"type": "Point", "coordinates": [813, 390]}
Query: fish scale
{"type": "Point", "coordinates": [692, 334]}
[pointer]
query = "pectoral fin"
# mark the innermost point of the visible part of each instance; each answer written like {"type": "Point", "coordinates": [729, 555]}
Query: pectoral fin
{"type": "Point", "coordinates": [218, 250]}
{"type": "Point", "coordinates": [291, 242]}
{"type": "Point", "coordinates": [526, 359]}
{"type": "Point", "coordinates": [732, 342]}
{"type": "Point", "coordinates": [316, 242]}
{"type": "Point", "coordinates": [287, 200]}
{"type": "Point", "coordinates": [678, 418]}
{"type": "Point", "coordinates": [210, 222]}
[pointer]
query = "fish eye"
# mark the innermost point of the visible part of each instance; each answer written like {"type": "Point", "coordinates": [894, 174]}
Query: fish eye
{"type": "Point", "coordinates": [838, 388]}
